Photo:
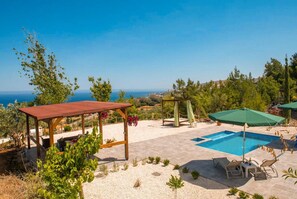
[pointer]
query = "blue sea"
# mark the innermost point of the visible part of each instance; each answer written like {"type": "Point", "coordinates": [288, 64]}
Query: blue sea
{"type": "Point", "coordinates": [7, 97]}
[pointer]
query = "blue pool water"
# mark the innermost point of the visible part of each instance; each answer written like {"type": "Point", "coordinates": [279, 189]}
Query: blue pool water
{"type": "Point", "coordinates": [231, 142]}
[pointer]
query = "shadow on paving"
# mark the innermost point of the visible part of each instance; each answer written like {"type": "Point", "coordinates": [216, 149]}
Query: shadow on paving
{"type": "Point", "coordinates": [207, 170]}
{"type": "Point", "coordinates": [277, 144]}
{"type": "Point", "coordinates": [109, 160]}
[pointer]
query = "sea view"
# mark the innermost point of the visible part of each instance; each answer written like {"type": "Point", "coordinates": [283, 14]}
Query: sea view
{"type": "Point", "coordinates": [7, 97]}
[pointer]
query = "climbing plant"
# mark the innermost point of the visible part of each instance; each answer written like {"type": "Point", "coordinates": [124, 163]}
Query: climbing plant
{"type": "Point", "coordinates": [64, 173]}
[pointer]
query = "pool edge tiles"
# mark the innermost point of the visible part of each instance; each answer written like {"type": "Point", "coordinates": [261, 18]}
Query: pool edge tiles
{"type": "Point", "coordinates": [198, 139]}
{"type": "Point", "coordinates": [261, 136]}
{"type": "Point", "coordinates": [219, 135]}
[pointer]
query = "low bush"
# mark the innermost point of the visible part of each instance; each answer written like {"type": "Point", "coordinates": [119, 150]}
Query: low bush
{"type": "Point", "coordinates": [104, 169]}
{"type": "Point", "coordinates": [176, 167]}
{"type": "Point", "coordinates": [185, 170]}
{"type": "Point", "coordinates": [151, 160]}
{"type": "Point", "coordinates": [135, 163]}
{"type": "Point", "coordinates": [243, 195]}
{"type": "Point", "coordinates": [166, 162]}
{"type": "Point", "coordinates": [273, 197]}
{"type": "Point", "coordinates": [157, 160]}
{"type": "Point", "coordinates": [233, 191]}
{"type": "Point", "coordinates": [67, 128]}
{"type": "Point", "coordinates": [125, 167]}
{"type": "Point", "coordinates": [257, 196]}
{"type": "Point", "coordinates": [115, 167]}
{"type": "Point", "coordinates": [144, 161]}
{"type": "Point", "coordinates": [195, 175]}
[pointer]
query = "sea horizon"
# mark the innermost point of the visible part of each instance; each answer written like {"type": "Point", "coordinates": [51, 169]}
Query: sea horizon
{"type": "Point", "coordinates": [7, 97]}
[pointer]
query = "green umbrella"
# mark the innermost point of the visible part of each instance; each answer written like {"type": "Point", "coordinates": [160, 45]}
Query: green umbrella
{"type": "Point", "coordinates": [292, 106]}
{"type": "Point", "coordinates": [246, 117]}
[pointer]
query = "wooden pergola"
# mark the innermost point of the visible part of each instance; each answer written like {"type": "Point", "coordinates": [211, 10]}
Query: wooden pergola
{"type": "Point", "coordinates": [54, 113]}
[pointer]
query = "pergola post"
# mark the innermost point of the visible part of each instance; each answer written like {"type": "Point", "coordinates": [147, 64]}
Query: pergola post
{"type": "Point", "coordinates": [83, 123]}
{"type": "Point", "coordinates": [51, 132]}
{"type": "Point", "coordinates": [52, 124]}
{"type": "Point", "coordinates": [28, 131]}
{"type": "Point", "coordinates": [100, 127]}
{"type": "Point", "coordinates": [37, 138]}
{"type": "Point", "coordinates": [126, 134]}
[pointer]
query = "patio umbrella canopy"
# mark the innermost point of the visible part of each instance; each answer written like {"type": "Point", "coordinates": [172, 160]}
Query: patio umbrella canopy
{"type": "Point", "coordinates": [245, 117]}
{"type": "Point", "coordinates": [292, 106]}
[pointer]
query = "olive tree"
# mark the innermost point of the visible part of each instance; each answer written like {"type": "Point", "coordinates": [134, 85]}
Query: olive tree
{"type": "Point", "coordinates": [51, 85]}
{"type": "Point", "coordinates": [12, 122]}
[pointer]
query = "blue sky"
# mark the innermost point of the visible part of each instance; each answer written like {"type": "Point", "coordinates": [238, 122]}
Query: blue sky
{"type": "Point", "coordinates": [148, 44]}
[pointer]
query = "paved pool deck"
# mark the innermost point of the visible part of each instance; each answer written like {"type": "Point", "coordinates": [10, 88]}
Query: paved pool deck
{"type": "Point", "coordinates": [180, 149]}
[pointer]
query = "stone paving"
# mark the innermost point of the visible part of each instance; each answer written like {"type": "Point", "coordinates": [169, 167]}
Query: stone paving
{"type": "Point", "coordinates": [180, 149]}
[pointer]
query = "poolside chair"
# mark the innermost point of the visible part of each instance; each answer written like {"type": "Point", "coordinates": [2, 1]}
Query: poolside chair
{"type": "Point", "coordinates": [265, 168]}
{"type": "Point", "coordinates": [233, 168]}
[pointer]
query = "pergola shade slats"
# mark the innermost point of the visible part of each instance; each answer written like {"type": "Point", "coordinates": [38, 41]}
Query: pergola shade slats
{"type": "Point", "coordinates": [71, 109]}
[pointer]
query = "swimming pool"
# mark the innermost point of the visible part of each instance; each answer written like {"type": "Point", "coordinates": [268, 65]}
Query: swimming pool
{"type": "Point", "coordinates": [232, 142]}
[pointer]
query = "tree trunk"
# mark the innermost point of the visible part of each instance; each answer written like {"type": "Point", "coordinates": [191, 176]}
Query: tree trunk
{"type": "Point", "coordinates": [81, 192]}
{"type": "Point", "coordinates": [287, 90]}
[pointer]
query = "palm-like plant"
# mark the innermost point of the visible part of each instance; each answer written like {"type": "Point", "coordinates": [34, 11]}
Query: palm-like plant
{"type": "Point", "coordinates": [175, 183]}
{"type": "Point", "coordinates": [290, 173]}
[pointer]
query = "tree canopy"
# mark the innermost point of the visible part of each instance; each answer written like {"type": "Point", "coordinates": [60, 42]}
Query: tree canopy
{"type": "Point", "coordinates": [101, 90]}
{"type": "Point", "coordinates": [277, 85]}
{"type": "Point", "coordinates": [51, 85]}
{"type": "Point", "coordinates": [12, 122]}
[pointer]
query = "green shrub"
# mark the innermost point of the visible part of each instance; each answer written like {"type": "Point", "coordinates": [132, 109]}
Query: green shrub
{"type": "Point", "coordinates": [273, 197]}
{"type": "Point", "coordinates": [243, 195]}
{"type": "Point", "coordinates": [104, 169]}
{"type": "Point", "coordinates": [126, 166]}
{"type": "Point", "coordinates": [157, 160]}
{"type": "Point", "coordinates": [64, 174]}
{"type": "Point", "coordinates": [176, 167]}
{"type": "Point", "coordinates": [108, 141]}
{"type": "Point", "coordinates": [195, 175]}
{"type": "Point", "coordinates": [175, 183]}
{"type": "Point", "coordinates": [257, 196]}
{"type": "Point", "coordinates": [233, 191]}
{"type": "Point", "coordinates": [67, 128]}
{"type": "Point", "coordinates": [166, 162]}
{"type": "Point", "coordinates": [185, 170]}
{"type": "Point", "coordinates": [135, 163]}
{"type": "Point", "coordinates": [151, 160]}
{"type": "Point", "coordinates": [115, 167]}
{"type": "Point", "coordinates": [143, 162]}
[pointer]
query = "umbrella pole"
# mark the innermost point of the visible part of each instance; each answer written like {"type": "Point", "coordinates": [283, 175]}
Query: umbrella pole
{"type": "Point", "coordinates": [243, 148]}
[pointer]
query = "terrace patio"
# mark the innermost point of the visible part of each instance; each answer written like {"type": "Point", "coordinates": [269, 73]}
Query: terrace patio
{"type": "Point", "coordinates": [180, 149]}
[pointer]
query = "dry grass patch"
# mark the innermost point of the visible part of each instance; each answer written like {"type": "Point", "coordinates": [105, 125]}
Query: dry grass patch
{"type": "Point", "coordinates": [12, 187]}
